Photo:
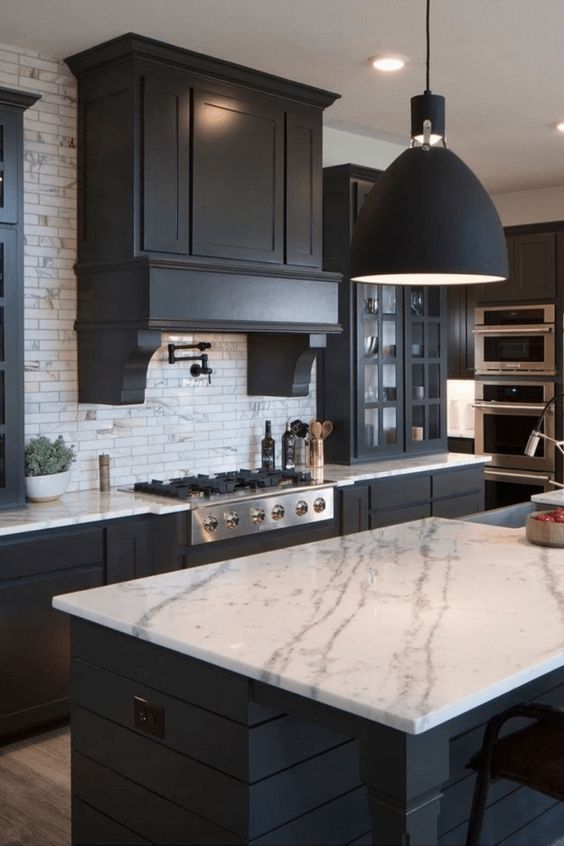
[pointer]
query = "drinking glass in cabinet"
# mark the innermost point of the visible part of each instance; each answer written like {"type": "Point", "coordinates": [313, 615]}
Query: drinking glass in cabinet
{"type": "Point", "coordinates": [389, 382]}
{"type": "Point", "coordinates": [370, 345]}
{"type": "Point", "coordinates": [417, 302]}
{"type": "Point", "coordinates": [388, 299]}
{"type": "Point", "coordinates": [370, 383]}
{"type": "Point", "coordinates": [371, 428]}
{"type": "Point", "coordinates": [417, 340]}
{"type": "Point", "coordinates": [389, 425]}
{"type": "Point", "coordinates": [389, 338]}
{"type": "Point", "coordinates": [371, 305]}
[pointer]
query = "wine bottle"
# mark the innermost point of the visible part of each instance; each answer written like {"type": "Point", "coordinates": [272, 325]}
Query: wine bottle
{"type": "Point", "coordinates": [267, 448]}
{"type": "Point", "coordinates": [288, 449]}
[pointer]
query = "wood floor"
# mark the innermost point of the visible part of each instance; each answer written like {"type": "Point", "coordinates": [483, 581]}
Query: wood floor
{"type": "Point", "coordinates": [35, 791]}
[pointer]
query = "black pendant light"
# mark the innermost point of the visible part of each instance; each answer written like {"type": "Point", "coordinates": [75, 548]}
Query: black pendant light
{"type": "Point", "coordinates": [428, 220]}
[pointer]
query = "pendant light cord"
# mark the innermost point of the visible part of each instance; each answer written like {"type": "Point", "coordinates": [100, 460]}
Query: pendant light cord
{"type": "Point", "coordinates": [428, 60]}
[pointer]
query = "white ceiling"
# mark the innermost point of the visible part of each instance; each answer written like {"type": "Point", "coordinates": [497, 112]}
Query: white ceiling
{"type": "Point", "coordinates": [500, 63]}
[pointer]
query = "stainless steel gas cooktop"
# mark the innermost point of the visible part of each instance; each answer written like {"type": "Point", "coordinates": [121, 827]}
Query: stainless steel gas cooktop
{"type": "Point", "coordinates": [244, 502]}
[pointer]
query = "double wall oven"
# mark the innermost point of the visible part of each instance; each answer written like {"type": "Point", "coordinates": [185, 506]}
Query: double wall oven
{"type": "Point", "coordinates": [515, 370]}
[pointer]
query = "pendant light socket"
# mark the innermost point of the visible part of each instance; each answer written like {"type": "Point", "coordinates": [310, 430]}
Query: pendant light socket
{"type": "Point", "coordinates": [431, 107]}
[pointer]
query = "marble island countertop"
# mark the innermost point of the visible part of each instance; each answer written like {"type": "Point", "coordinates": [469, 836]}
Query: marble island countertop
{"type": "Point", "coordinates": [410, 625]}
{"type": "Point", "coordinates": [75, 508]}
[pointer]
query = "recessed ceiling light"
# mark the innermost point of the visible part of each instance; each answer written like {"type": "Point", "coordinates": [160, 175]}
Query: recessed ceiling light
{"type": "Point", "coordinates": [560, 126]}
{"type": "Point", "coordinates": [388, 64]}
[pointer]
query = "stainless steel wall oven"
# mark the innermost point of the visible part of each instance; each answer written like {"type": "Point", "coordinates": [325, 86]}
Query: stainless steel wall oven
{"type": "Point", "coordinates": [515, 339]}
{"type": "Point", "coordinates": [505, 414]}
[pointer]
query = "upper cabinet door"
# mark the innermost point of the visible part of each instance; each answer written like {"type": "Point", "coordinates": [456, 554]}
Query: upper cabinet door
{"type": "Point", "coordinates": [303, 189]}
{"type": "Point", "coordinates": [9, 166]}
{"type": "Point", "coordinates": [166, 163]}
{"type": "Point", "coordinates": [238, 181]}
{"type": "Point", "coordinates": [535, 265]}
{"type": "Point", "coordinates": [532, 271]}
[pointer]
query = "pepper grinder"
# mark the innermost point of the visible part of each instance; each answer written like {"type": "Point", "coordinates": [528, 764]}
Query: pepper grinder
{"type": "Point", "coordinates": [104, 471]}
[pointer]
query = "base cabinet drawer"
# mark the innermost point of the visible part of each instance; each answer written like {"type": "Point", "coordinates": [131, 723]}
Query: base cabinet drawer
{"type": "Point", "coordinates": [399, 491]}
{"type": "Point", "coordinates": [399, 515]}
{"type": "Point", "coordinates": [459, 506]}
{"type": "Point", "coordinates": [458, 482]}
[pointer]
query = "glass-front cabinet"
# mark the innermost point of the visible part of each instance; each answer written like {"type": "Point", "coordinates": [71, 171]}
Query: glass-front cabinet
{"type": "Point", "coordinates": [379, 374]}
{"type": "Point", "coordinates": [424, 368]}
{"type": "Point", "coordinates": [400, 370]}
{"type": "Point", "coordinates": [382, 381]}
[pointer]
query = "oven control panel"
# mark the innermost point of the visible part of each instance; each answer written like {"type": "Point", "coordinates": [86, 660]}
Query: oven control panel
{"type": "Point", "coordinates": [282, 509]}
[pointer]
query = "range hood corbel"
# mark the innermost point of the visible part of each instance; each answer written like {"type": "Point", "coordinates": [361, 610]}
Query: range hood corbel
{"type": "Point", "coordinates": [114, 362]}
{"type": "Point", "coordinates": [279, 365]}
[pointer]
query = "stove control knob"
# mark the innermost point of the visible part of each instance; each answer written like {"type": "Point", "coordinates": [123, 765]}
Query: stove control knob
{"type": "Point", "coordinates": [231, 519]}
{"type": "Point", "coordinates": [278, 512]}
{"type": "Point", "coordinates": [257, 515]}
{"type": "Point", "coordinates": [211, 523]}
{"type": "Point", "coordinates": [301, 507]}
{"type": "Point", "coordinates": [319, 505]}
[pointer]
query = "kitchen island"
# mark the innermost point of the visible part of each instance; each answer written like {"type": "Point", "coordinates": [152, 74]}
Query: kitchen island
{"type": "Point", "coordinates": [329, 693]}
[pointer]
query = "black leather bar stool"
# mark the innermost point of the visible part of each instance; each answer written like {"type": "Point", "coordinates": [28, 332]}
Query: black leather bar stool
{"type": "Point", "coordinates": [532, 757]}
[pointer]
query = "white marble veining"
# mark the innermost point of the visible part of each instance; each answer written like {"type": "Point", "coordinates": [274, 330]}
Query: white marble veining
{"type": "Point", "coordinates": [78, 507]}
{"type": "Point", "coordinates": [344, 474]}
{"type": "Point", "coordinates": [409, 625]}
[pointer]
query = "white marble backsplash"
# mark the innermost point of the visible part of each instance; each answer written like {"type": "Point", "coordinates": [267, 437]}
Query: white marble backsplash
{"type": "Point", "coordinates": [185, 425]}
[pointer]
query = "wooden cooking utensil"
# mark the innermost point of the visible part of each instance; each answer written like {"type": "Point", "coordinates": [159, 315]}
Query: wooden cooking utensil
{"type": "Point", "coordinates": [327, 428]}
{"type": "Point", "coordinates": [316, 429]}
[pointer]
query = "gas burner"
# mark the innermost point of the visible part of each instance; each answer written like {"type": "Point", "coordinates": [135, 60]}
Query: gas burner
{"type": "Point", "coordinates": [190, 487]}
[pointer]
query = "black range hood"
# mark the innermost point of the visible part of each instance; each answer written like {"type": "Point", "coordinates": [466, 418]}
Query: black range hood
{"type": "Point", "coordinates": [199, 210]}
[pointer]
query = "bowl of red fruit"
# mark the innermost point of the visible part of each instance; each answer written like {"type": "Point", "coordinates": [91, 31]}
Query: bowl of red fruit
{"type": "Point", "coordinates": [546, 528]}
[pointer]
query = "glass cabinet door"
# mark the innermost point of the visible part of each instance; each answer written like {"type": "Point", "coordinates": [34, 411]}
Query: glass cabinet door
{"type": "Point", "coordinates": [424, 364]}
{"type": "Point", "coordinates": [379, 374]}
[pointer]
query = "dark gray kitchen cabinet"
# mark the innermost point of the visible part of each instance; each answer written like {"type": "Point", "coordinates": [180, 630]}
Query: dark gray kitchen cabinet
{"type": "Point", "coordinates": [461, 301]}
{"type": "Point", "coordinates": [166, 162]}
{"type": "Point", "coordinates": [12, 106]}
{"type": "Point", "coordinates": [303, 189]}
{"type": "Point", "coordinates": [399, 499]}
{"type": "Point", "coordinates": [34, 567]}
{"type": "Point", "coordinates": [238, 176]}
{"type": "Point", "coordinates": [34, 644]}
{"type": "Point", "coordinates": [127, 551]}
{"type": "Point", "coordinates": [383, 380]}
{"type": "Point", "coordinates": [353, 508]}
{"type": "Point", "coordinates": [199, 209]}
{"type": "Point", "coordinates": [532, 271]}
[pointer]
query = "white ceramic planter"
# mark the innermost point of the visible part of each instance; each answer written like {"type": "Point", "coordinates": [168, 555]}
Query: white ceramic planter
{"type": "Point", "coordinates": [46, 488]}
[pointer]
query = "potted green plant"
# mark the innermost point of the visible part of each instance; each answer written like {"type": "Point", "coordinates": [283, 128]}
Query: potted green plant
{"type": "Point", "coordinates": [47, 468]}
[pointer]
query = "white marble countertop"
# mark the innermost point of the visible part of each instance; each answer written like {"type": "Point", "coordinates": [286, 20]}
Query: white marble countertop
{"type": "Point", "coordinates": [79, 507]}
{"type": "Point", "coordinates": [555, 497]}
{"type": "Point", "coordinates": [344, 474]}
{"type": "Point", "coordinates": [410, 625]}
{"type": "Point", "coordinates": [72, 509]}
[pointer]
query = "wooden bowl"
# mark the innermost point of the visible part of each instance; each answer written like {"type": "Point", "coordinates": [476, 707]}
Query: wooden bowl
{"type": "Point", "coordinates": [544, 534]}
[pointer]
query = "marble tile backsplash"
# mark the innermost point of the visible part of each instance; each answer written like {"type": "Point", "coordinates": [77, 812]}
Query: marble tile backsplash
{"type": "Point", "coordinates": [185, 425]}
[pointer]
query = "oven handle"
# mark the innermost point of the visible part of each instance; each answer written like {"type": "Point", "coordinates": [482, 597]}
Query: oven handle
{"type": "Point", "coordinates": [510, 406]}
{"type": "Point", "coordinates": [503, 476]}
{"type": "Point", "coordinates": [513, 330]}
